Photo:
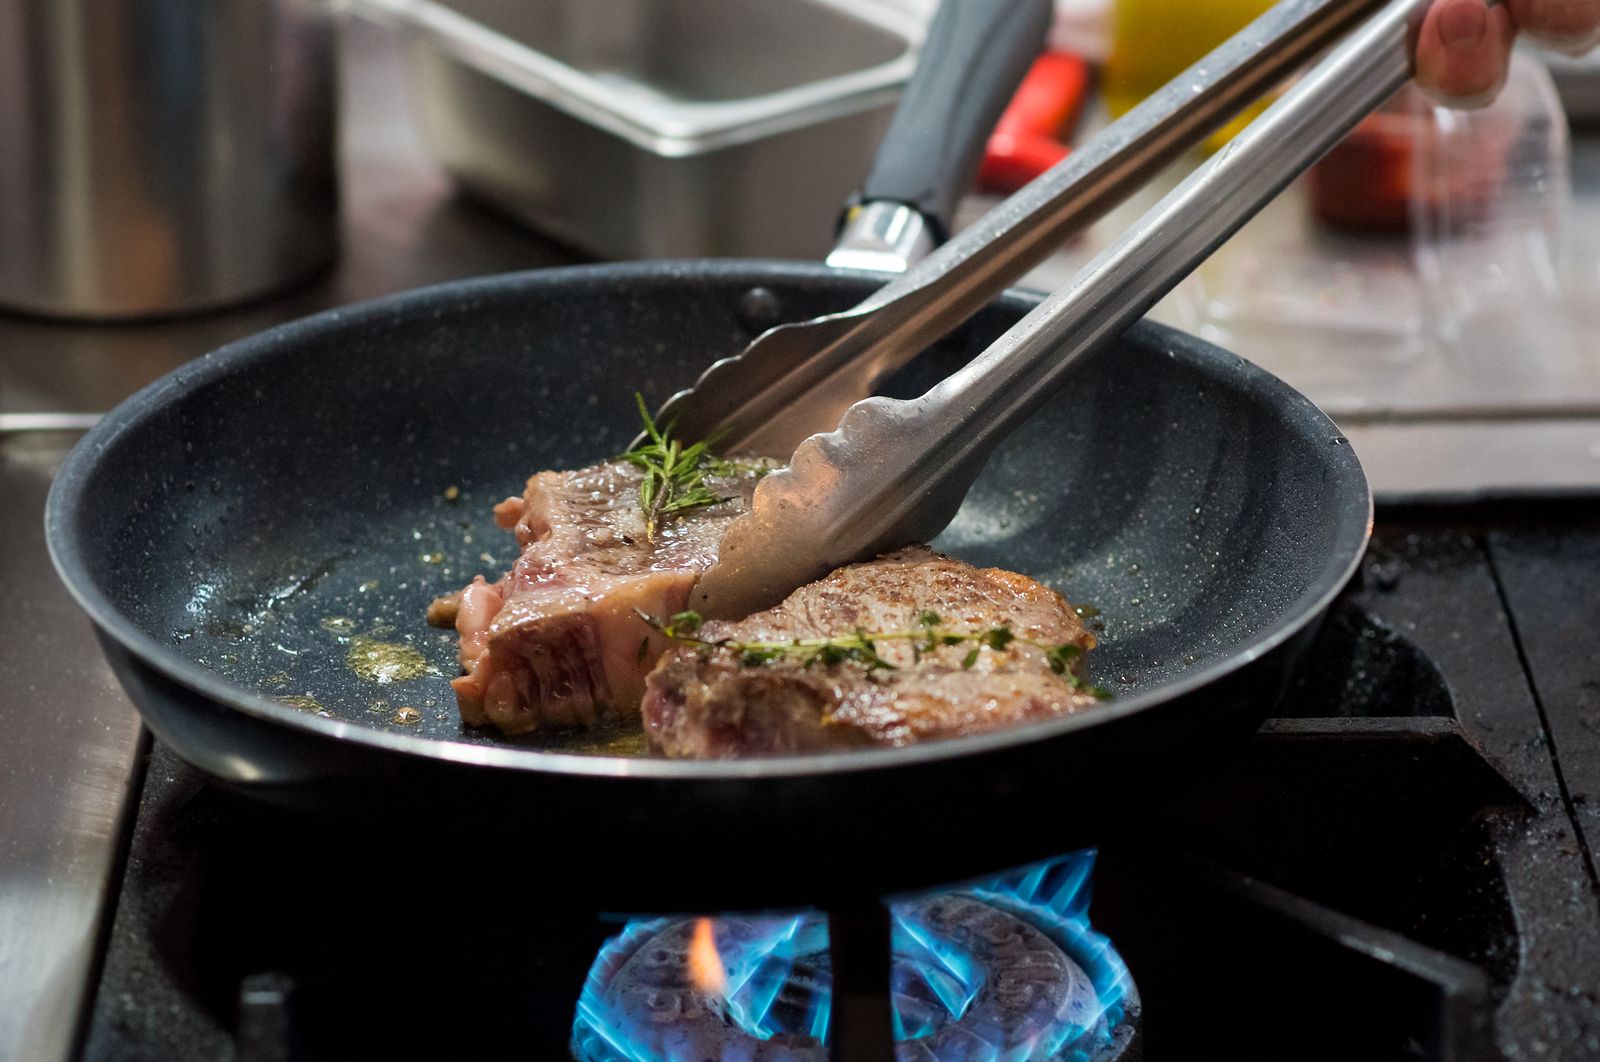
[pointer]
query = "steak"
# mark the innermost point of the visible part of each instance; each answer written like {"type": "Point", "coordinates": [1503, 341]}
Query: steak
{"type": "Point", "coordinates": [935, 663]}
{"type": "Point", "coordinates": [557, 641]}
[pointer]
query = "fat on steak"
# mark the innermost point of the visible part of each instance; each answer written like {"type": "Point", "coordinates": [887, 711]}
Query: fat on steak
{"type": "Point", "coordinates": [713, 703]}
{"type": "Point", "coordinates": [556, 642]}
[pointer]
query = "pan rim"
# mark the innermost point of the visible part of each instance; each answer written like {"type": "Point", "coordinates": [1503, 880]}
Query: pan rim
{"type": "Point", "coordinates": [67, 499]}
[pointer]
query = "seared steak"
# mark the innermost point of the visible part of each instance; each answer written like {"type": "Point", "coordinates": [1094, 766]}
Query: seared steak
{"type": "Point", "coordinates": [556, 642]}
{"type": "Point", "coordinates": [940, 674]}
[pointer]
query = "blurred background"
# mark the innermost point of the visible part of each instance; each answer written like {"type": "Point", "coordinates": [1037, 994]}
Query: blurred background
{"type": "Point", "coordinates": [174, 176]}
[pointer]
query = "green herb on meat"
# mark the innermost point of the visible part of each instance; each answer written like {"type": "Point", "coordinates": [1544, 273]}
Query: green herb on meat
{"type": "Point", "coordinates": [675, 475]}
{"type": "Point", "coordinates": [860, 647]}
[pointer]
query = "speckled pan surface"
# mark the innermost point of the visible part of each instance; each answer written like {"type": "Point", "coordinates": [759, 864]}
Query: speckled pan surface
{"type": "Point", "coordinates": [266, 526]}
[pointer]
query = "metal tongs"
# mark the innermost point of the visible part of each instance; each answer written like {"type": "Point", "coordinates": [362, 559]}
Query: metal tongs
{"type": "Point", "coordinates": [887, 472]}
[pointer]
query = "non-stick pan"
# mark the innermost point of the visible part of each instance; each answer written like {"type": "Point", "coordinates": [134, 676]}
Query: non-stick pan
{"type": "Point", "coordinates": [257, 535]}
{"type": "Point", "coordinates": [233, 527]}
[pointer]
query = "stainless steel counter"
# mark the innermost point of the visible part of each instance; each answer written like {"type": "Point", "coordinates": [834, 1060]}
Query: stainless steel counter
{"type": "Point", "coordinates": [65, 770]}
{"type": "Point", "coordinates": [72, 740]}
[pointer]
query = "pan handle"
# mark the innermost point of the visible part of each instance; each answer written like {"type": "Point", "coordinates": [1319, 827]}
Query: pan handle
{"type": "Point", "coordinates": [975, 55]}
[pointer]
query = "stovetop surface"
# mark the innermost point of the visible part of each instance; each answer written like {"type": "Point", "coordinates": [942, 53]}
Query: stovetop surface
{"type": "Point", "coordinates": [1395, 866]}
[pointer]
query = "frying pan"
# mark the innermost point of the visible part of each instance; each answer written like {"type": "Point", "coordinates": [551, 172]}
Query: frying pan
{"type": "Point", "coordinates": [243, 528]}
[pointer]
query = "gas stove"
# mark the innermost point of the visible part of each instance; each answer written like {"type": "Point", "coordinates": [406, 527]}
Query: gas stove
{"type": "Point", "coordinates": [1394, 866]}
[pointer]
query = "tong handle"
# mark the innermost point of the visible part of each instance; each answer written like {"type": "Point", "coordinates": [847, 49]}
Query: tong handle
{"type": "Point", "coordinates": [952, 283]}
{"type": "Point", "coordinates": [960, 420]}
{"type": "Point", "coordinates": [798, 379]}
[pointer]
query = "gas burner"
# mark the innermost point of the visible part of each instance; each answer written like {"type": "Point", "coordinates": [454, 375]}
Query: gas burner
{"type": "Point", "coordinates": [1009, 968]}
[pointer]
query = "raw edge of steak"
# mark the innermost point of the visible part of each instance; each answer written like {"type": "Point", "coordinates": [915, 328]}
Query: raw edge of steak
{"type": "Point", "coordinates": [556, 642]}
{"type": "Point", "coordinates": [703, 703]}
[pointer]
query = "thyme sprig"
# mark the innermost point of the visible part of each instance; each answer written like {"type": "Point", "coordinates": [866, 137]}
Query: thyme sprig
{"type": "Point", "coordinates": [861, 647]}
{"type": "Point", "coordinates": [675, 475]}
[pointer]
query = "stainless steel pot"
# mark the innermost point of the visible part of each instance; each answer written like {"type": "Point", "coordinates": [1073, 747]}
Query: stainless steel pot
{"type": "Point", "coordinates": [163, 156]}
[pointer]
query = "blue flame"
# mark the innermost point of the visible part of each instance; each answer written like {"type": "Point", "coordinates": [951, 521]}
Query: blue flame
{"type": "Point", "coordinates": [951, 974]}
{"type": "Point", "coordinates": [779, 985]}
{"type": "Point", "coordinates": [760, 969]}
{"type": "Point", "coordinates": [1055, 896]}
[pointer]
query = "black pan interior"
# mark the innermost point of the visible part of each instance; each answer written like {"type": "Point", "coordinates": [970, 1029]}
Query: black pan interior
{"type": "Point", "coordinates": [264, 522]}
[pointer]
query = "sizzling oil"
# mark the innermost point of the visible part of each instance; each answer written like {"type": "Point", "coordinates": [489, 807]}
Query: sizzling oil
{"type": "Point", "coordinates": [619, 738]}
{"type": "Point", "coordinates": [384, 662]}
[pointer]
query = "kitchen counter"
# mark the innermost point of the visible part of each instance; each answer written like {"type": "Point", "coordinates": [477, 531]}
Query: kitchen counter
{"type": "Point", "coordinates": [73, 747]}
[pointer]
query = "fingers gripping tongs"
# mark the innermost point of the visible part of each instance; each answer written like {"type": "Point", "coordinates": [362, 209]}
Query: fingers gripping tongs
{"type": "Point", "coordinates": [886, 472]}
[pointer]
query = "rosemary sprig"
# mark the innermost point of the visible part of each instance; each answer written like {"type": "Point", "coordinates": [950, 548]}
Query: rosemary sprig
{"type": "Point", "coordinates": [860, 647]}
{"type": "Point", "coordinates": [674, 474]}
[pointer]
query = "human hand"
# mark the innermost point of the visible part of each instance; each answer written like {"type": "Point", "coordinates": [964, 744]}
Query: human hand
{"type": "Point", "coordinates": [1465, 45]}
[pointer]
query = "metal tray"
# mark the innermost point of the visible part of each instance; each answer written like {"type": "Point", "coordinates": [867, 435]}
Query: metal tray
{"type": "Point", "coordinates": [660, 128]}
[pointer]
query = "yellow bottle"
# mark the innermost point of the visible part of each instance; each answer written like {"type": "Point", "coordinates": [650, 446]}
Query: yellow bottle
{"type": "Point", "coordinates": [1153, 41]}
